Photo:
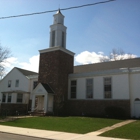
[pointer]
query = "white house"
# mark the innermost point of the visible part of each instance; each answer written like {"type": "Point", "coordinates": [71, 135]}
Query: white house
{"type": "Point", "coordinates": [94, 89]}
{"type": "Point", "coordinates": [16, 88]}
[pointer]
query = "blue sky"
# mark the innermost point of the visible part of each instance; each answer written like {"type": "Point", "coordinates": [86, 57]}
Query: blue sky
{"type": "Point", "coordinates": [90, 30]}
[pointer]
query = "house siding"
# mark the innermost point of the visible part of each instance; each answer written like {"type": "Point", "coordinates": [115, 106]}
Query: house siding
{"type": "Point", "coordinates": [120, 87]}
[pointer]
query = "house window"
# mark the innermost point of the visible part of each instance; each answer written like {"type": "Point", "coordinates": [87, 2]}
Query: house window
{"type": "Point", "coordinates": [9, 83]}
{"type": "Point", "coordinates": [89, 88]}
{"type": "Point", "coordinates": [3, 97]}
{"type": "Point", "coordinates": [9, 97]}
{"type": "Point", "coordinates": [63, 40]}
{"type": "Point", "coordinates": [107, 87]}
{"type": "Point", "coordinates": [34, 84]}
{"type": "Point", "coordinates": [17, 83]}
{"type": "Point", "coordinates": [53, 38]}
{"type": "Point", "coordinates": [19, 97]}
{"type": "Point", "coordinates": [73, 89]}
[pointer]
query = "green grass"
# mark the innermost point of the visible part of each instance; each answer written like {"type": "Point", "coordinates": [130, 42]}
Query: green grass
{"type": "Point", "coordinates": [129, 131]}
{"type": "Point", "coordinates": [80, 125]}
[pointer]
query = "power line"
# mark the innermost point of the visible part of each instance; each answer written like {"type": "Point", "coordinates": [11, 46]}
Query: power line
{"type": "Point", "coordinates": [74, 7]}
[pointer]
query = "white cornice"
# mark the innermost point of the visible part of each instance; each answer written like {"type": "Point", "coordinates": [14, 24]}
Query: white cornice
{"type": "Point", "coordinates": [55, 49]}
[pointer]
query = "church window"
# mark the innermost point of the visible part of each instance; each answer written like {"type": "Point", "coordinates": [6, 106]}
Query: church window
{"type": "Point", "coordinates": [89, 88]}
{"type": "Point", "coordinates": [63, 39]}
{"type": "Point", "coordinates": [53, 38]}
{"type": "Point", "coordinates": [107, 87]}
{"type": "Point", "coordinates": [73, 89]}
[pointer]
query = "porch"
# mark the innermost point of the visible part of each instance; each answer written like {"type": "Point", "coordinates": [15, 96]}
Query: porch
{"type": "Point", "coordinates": [42, 100]}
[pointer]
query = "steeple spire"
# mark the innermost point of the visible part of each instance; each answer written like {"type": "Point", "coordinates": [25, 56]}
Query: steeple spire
{"type": "Point", "coordinates": [58, 12]}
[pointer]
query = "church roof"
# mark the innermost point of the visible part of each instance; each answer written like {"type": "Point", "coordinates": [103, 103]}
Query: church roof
{"type": "Point", "coordinates": [127, 63]}
{"type": "Point", "coordinates": [47, 88]}
{"type": "Point", "coordinates": [26, 72]}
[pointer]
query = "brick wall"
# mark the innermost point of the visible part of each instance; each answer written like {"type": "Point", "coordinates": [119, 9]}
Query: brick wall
{"type": "Point", "coordinates": [14, 109]}
{"type": "Point", "coordinates": [54, 69]}
{"type": "Point", "coordinates": [95, 107]}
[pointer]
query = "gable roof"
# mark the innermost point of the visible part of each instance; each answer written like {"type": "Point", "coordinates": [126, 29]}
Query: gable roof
{"type": "Point", "coordinates": [47, 88]}
{"type": "Point", "coordinates": [127, 63]}
{"type": "Point", "coordinates": [26, 72]}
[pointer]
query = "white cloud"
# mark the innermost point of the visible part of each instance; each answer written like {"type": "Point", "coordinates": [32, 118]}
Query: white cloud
{"type": "Point", "coordinates": [85, 57]}
{"type": "Point", "coordinates": [9, 62]}
{"type": "Point", "coordinates": [88, 57]}
{"type": "Point", "coordinates": [124, 56]}
{"type": "Point", "coordinates": [32, 65]}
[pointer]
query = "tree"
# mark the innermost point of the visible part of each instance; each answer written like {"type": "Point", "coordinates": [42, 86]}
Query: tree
{"type": "Point", "coordinates": [4, 54]}
{"type": "Point", "coordinates": [116, 54]}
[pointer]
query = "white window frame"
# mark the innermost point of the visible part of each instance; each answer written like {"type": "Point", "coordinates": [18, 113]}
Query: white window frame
{"type": "Point", "coordinates": [71, 89]}
{"type": "Point", "coordinates": [9, 83]}
{"type": "Point", "coordinates": [9, 95]}
{"type": "Point", "coordinates": [19, 94]}
{"type": "Point", "coordinates": [3, 94]}
{"type": "Point", "coordinates": [17, 83]}
{"type": "Point", "coordinates": [109, 96]}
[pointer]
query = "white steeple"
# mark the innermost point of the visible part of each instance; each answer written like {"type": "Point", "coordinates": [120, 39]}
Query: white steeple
{"type": "Point", "coordinates": [58, 31]}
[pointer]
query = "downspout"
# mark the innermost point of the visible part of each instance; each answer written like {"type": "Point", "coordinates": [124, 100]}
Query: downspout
{"type": "Point", "coordinates": [130, 93]}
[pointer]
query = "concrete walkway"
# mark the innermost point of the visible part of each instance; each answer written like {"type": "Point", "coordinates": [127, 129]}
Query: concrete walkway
{"type": "Point", "coordinates": [55, 135]}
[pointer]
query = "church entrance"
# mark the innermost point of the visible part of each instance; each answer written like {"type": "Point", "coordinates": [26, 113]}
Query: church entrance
{"type": "Point", "coordinates": [39, 103]}
{"type": "Point", "coordinates": [42, 101]}
{"type": "Point", "coordinates": [137, 109]}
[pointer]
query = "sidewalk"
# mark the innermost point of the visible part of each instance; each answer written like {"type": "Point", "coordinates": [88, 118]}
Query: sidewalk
{"type": "Point", "coordinates": [55, 135]}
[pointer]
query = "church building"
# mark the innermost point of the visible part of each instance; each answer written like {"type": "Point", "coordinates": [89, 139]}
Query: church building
{"type": "Point", "coordinates": [101, 89]}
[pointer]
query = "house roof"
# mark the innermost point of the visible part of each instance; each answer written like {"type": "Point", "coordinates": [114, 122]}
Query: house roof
{"type": "Point", "coordinates": [27, 72]}
{"type": "Point", "coordinates": [47, 88]}
{"type": "Point", "coordinates": [127, 63]}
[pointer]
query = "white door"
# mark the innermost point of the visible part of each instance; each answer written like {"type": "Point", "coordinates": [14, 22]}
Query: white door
{"type": "Point", "coordinates": [137, 109]}
{"type": "Point", "coordinates": [40, 102]}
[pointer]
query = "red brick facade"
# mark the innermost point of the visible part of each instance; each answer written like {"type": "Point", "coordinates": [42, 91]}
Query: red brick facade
{"type": "Point", "coordinates": [14, 109]}
{"type": "Point", "coordinates": [96, 107]}
{"type": "Point", "coordinates": [54, 69]}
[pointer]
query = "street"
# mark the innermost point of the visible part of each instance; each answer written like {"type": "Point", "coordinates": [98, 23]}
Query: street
{"type": "Point", "coordinates": [7, 136]}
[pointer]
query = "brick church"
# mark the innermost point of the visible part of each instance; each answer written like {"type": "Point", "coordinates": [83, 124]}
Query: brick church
{"type": "Point", "coordinates": [101, 89]}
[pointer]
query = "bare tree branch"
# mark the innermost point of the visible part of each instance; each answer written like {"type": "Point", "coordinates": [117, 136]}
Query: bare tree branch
{"type": "Point", "coordinates": [117, 54]}
{"type": "Point", "coordinates": [5, 53]}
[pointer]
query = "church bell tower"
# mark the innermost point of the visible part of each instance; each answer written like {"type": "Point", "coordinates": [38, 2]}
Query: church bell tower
{"type": "Point", "coordinates": [56, 62]}
{"type": "Point", "coordinates": [58, 31]}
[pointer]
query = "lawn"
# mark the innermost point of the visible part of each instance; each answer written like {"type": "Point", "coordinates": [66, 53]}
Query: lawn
{"type": "Point", "coordinates": [129, 131]}
{"type": "Point", "coordinates": [79, 125]}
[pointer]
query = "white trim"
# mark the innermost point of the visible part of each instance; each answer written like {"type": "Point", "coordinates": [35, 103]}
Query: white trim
{"type": "Point", "coordinates": [55, 49]}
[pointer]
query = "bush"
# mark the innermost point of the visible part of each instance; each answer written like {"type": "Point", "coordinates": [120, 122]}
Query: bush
{"type": "Point", "coordinates": [115, 112]}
